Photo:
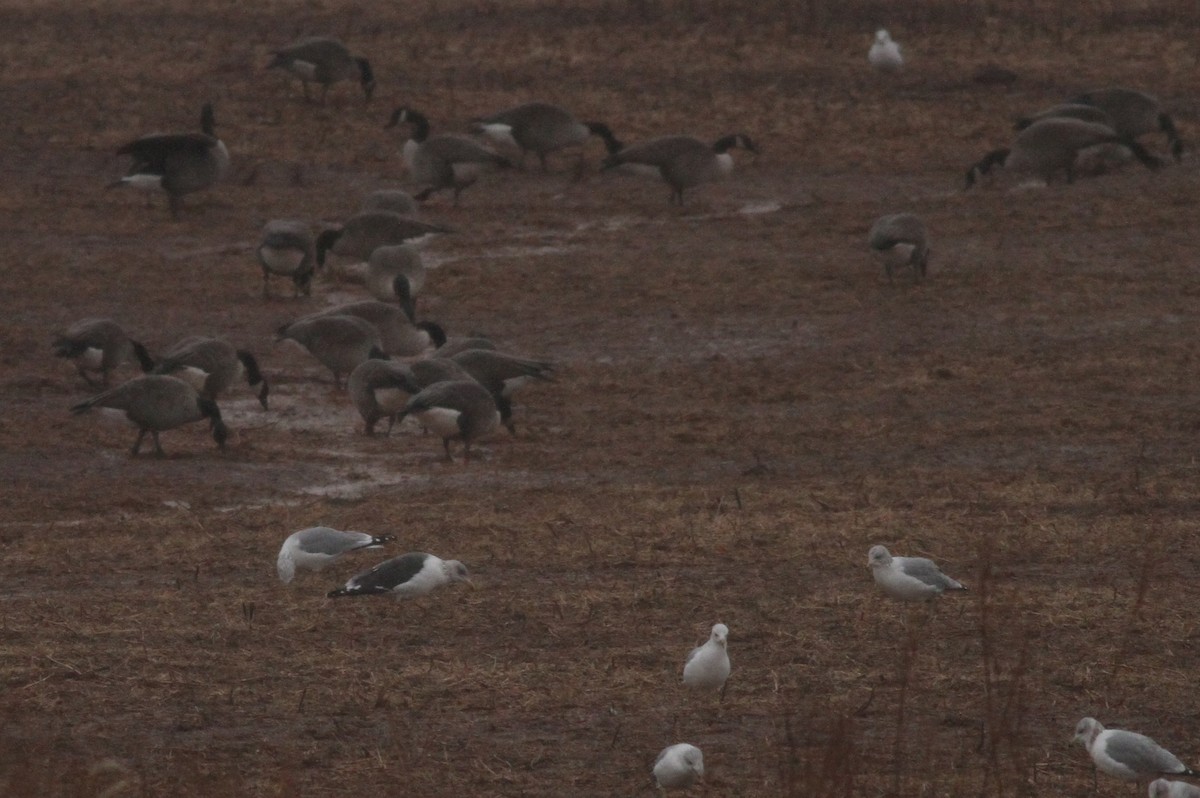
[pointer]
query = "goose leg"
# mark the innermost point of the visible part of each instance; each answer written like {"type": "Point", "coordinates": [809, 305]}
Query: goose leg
{"type": "Point", "coordinates": [137, 445]}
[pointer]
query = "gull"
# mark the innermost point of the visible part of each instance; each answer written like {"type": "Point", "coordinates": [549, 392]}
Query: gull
{"type": "Point", "coordinates": [319, 546]}
{"type": "Point", "coordinates": [679, 766]}
{"type": "Point", "coordinates": [908, 578]}
{"type": "Point", "coordinates": [884, 54]}
{"type": "Point", "coordinates": [1127, 755]}
{"type": "Point", "coordinates": [406, 576]}
{"type": "Point", "coordinates": [1162, 788]}
{"type": "Point", "coordinates": [707, 667]}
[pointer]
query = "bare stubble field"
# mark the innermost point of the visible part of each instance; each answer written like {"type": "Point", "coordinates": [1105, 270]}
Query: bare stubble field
{"type": "Point", "coordinates": [743, 406]}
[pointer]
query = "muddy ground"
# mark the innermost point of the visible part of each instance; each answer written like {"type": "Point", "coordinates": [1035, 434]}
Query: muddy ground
{"type": "Point", "coordinates": [743, 405]}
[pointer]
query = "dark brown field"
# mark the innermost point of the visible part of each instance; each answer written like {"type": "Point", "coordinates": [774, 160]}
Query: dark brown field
{"type": "Point", "coordinates": [744, 405]}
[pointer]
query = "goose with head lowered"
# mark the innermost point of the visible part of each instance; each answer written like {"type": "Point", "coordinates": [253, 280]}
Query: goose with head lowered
{"type": "Point", "coordinates": [379, 389]}
{"type": "Point", "coordinates": [338, 342]}
{"type": "Point", "coordinates": [155, 403]}
{"type": "Point", "coordinates": [461, 410]}
{"type": "Point", "coordinates": [325, 61]}
{"type": "Point", "coordinates": [1134, 113]}
{"type": "Point", "coordinates": [398, 336]}
{"type": "Point", "coordinates": [445, 161]}
{"type": "Point", "coordinates": [502, 374]}
{"type": "Point", "coordinates": [287, 249]}
{"type": "Point", "coordinates": [542, 128]}
{"type": "Point", "coordinates": [177, 163]}
{"type": "Point", "coordinates": [99, 345]}
{"type": "Point", "coordinates": [367, 231]}
{"type": "Point", "coordinates": [396, 273]}
{"type": "Point", "coordinates": [212, 365]}
{"type": "Point", "coordinates": [683, 162]}
{"type": "Point", "coordinates": [899, 240]}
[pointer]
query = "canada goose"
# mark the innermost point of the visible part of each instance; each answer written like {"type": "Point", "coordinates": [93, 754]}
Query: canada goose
{"type": "Point", "coordinates": [456, 410]}
{"type": "Point", "coordinates": [391, 199]}
{"type": "Point", "coordinates": [884, 54]}
{"type": "Point", "coordinates": [683, 161]}
{"type": "Point", "coordinates": [367, 231]}
{"type": "Point", "coordinates": [502, 374]}
{"type": "Point", "coordinates": [380, 388]}
{"type": "Point", "coordinates": [178, 163]}
{"type": "Point", "coordinates": [323, 60]}
{"type": "Point", "coordinates": [1051, 145]}
{"type": "Point", "coordinates": [1134, 113]}
{"type": "Point", "coordinates": [317, 547]}
{"type": "Point", "coordinates": [455, 345]}
{"type": "Point", "coordinates": [156, 403]}
{"type": "Point", "coordinates": [443, 161]}
{"type": "Point", "coordinates": [396, 273]}
{"type": "Point", "coordinates": [339, 342]}
{"type": "Point", "coordinates": [1085, 113]}
{"type": "Point", "coordinates": [407, 576]}
{"type": "Point", "coordinates": [542, 128]}
{"type": "Point", "coordinates": [899, 239]}
{"type": "Point", "coordinates": [99, 345]}
{"type": "Point", "coordinates": [211, 366]}
{"type": "Point", "coordinates": [287, 249]}
{"type": "Point", "coordinates": [397, 334]}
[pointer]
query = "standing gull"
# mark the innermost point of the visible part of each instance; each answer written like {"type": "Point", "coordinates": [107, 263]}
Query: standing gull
{"type": "Point", "coordinates": [908, 578]}
{"type": "Point", "coordinates": [1128, 755]}
{"type": "Point", "coordinates": [317, 547]}
{"type": "Point", "coordinates": [1163, 788]}
{"type": "Point", "coordinates": [678, 766]}
{"type": "Point", "coordinates": [707, 667]}
{"type": "Point", "coordinates": [884, 54]}
{"type": "Point", "coordinates": [407, 576]}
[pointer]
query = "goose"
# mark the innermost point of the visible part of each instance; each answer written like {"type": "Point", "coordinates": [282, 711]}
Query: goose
{"type": "Point", "coordinates": [443, 161]}
{"type": "Point", "coordinates": [1085, 113]}
{"type": "Point", "coordinates": [884, 54]}
{"type": "Point", "coordinates": [899, 240]}
{"type": "Point", "coordinates": [1095, 160]}
{"type": "Point", "coordinates": [407, 576]}
{"type": "Point", "coordinates": [1133, 114]}
{"type": "Point", "coordinates": [396, 272]}
{"type": "Point", "coordinates": [1128, 755]}
{"type": "Point", "coordinates": [156, 403]}
{"type": "Point", "coordinates": [683, 161]}
{"type": "Point", "coordinates": [678, 766]}
{"type": "Point", "coordinates": [453, 346]}
{"type": "Point", "coordinates": [397, 334]}
{"type": "Point", "coordinates": [1050, 146]}
{"type": "Point", "coordinates": [178, 163]}
{"type": "Point", "coordinates": [391, 199]}
{"type": "Point", "coordinates": [320, 59]}
{"type": "Point", "coordinates": [908, 578]}
{"type": "Point", "coordinates": [99, 345]}
{"type": "Point", "coordinates": [318, 547]}
{"type": "Point", "coordinates": [211, 366]}
{"type": "Point", "coordinates": [456, 410]}
{"type": "Point", "coordinates": [287, 249]}
{"type": "Point", "coordinates": [542, 128]}
{"type": "Point", "coordinates": [338, 342]}
{"type": "Point", "coordinates": [380, 388]}
{"type": "Point", "coordinates": [367, 231]}
{"type": "Point", "coordinates": [502, 375]}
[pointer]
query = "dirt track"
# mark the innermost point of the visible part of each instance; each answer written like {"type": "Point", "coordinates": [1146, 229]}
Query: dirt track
{"type": "Point", "coordinates": [743, 406]}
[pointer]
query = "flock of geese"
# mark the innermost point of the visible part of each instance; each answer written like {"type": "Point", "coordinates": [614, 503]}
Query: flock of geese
{"type": "Point", "coordinates": [394, 366]}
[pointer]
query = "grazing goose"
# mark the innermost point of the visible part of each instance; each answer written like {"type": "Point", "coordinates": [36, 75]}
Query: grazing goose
{"type": "Point", "coordinates": [707, 666]}
{"type": "Point", "coordinates": [908, 578]}
{"type": "Point", "coordinates": [884, 54]}
{"type": "Point", "coordinates": [1084, 113]}
{"type": "Point", "coordinates": [1133, 114]}
{"type": "Point", "coordinates": [444, 161]}
{"type": "Point", "coordinates": [287, 249]}
{"type": "Point", "coordinates": [1050, 146]}
{"type": "Point", "coordinates": [407, 576]}
{"type": "Point", "coordinates": [317, 547]}
{"type": "Point", "coordinates": [156, 403]}
{"type": "Point", "coordinates": [456, 410]}
{"type": "Point", "coordinates": [678, 767]}
{"type": "Point", "coordinates": [99, 345]}
{"type": "Point", "coordinates": [396, 272]}
{"type": "Point", "coordinates": [380, 388]}
{"type": "Point", "coordinates": [683, 161]}
{"type": "Point", "coordinates": [397, 334]}
{"type": "Point", "coordinates": [541, 128]}
{"type": "Point", "coordinates": [211, 366]}
{"type": "Point", "coordinates": [899, 240]}
{"type": "Point", "coordinates": [326, 61]}
{"type": "Point", "coordinates": [367, 231]}
{"type": "Point", "coordinates": [338, 342]}
{"type": "Point", "coordinates": [178, 163]}
{"type": "Point", "coordinates": [453, 346]}
{"type": "Point", "coordinates": [391, 199]}
{"type": "Point", "coordinates": [1127, 755]}
{"type": "Point", "coordinates": [502, 375]}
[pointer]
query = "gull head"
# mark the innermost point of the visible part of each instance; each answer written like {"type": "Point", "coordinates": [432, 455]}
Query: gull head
{"type": "Point", "coordinates": [882, 36]}
{"type": "Point", "coordinates": [695, 761]}
{"type": "Point", "coordinates": [720, 633]}
{"type": "Point", "coordinates": [879, 557]}
{"type": "Point", "coordinates": [456, 571]}
{"type": "Point", "coordinates": [1086, 730]}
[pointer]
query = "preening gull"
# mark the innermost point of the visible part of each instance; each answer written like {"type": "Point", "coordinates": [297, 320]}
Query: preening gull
{"type": "Point", "coordinates": [406, 576]}
{"type": "Point", "coordinates": [884, 54]}
{"type": "Point", "coordinates": [707, 667]}
{"type": "Point", "coordinates": [316, 547]}
{"type": "Point", "coordinates": [1128, 755]}
{"type": "Point", "coordinates": [1162, 788]}
{"type": "Point", "coordinates": [679, 766]}
{"type": "Point", "coordinates": [908, 578]}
